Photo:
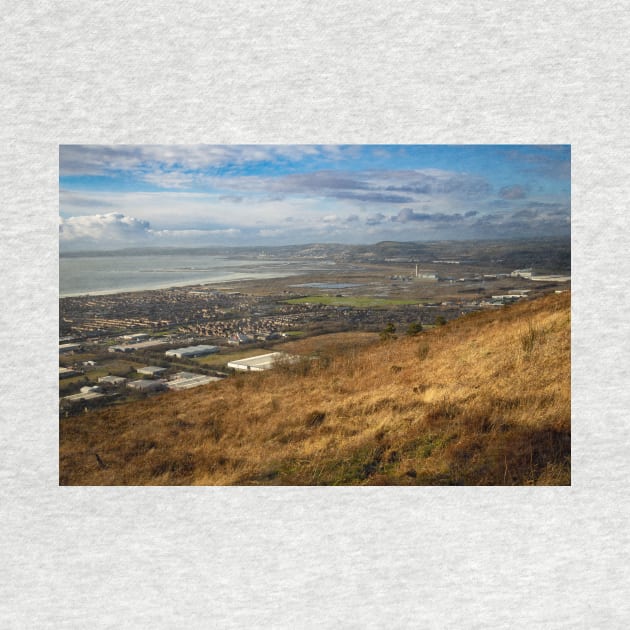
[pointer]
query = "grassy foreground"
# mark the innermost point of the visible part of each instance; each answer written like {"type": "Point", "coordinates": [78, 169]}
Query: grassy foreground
{"type": "Point", "coordinates": [482, 400]}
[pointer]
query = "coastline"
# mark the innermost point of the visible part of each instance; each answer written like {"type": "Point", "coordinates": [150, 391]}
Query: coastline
{"type": "Point", "coordinates": [223, 279]}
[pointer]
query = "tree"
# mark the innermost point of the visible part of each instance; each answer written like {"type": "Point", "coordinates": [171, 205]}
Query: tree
{"type": "Point", "coordinates": [440, 321]}
{"type": "Point", "coordinates": [414, 328]}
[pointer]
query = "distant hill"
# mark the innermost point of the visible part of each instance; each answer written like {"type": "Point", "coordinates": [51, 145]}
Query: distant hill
{"type": "Point", "coordinates": [482, 400]}
{"type": "Point", "coordinates": [545, 254]}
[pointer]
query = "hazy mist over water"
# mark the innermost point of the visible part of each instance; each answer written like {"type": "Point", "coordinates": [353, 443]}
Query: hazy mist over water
{"type": "Point", "coordinates": [80, 275]}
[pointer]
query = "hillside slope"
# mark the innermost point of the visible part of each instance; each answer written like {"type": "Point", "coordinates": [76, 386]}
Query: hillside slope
{"type": "Point", "coordinates": [482, 400]}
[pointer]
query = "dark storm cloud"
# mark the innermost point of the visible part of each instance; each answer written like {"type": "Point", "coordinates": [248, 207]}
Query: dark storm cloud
{"type": "Point", "coordinates": [532, 220]}
{"type": "Point", "coordinates": [440, 183]}
{"type": "Point", "coordinates": [179, 159]}
{"type": "Point", "coordinates": [318, 181]}
{"type": "Point", "coordinates": [96, 159]}
{"type": "Point", "coordinates": [501, 204]}
{"type": "Point", "coordinates": [374, 197]}
{"type": "Point", "coordinates": [369, 186]}
{"type": "Point", "coordinates": [336, 185]}
{"type": "Point", "coordinates": [407, 214]}
{"type": "Point", "coordinates": [418, 189]}
{"type": "Point", "coordinates": [540, 209]}
{"type": "Point", "coordinates": [526, 214]}
{"type": "Point", "coordinates": [375, 219]}
{"type": "Point", "coordinates": [548, 160]}
{"type": "Point", "coordinates": [513, 192]}
{"type": "Point", "coordinates": [550, 208]}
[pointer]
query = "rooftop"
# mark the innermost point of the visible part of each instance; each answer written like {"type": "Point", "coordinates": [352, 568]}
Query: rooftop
{"type": "Point", "coordinates": [128, 347]}
{"type": "Point", "coordinates": [202, 349]}
{"type": "Point", "coordinates": [259, 362]}
{"type": "Point", "coordinates": [151, 369]}
{"type": "Point", "coordinates": [112, 380]}
{"type": "Point", "coordinates": [83, 396]}
{"type": "Point", "coordinates": [146, 385]}
{"type": "Point", "coordinates": [188, 380]}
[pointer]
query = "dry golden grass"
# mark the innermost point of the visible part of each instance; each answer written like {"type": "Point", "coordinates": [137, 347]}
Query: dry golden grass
{"type": "Point", "coordinates": [483, 400]}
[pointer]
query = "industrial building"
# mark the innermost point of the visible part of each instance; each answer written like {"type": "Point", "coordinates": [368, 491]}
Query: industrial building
{"type": "Point", "coordinates": [65, 372]}
{"type": "Point", "coordinates": [111, 381]}
{"type": "Point", "coordinates": [192, 351]}
{"type": "Point", "coordinates": [141, 345]}
{"type": "Point", "coordinates": [83, 396]}
{"type": "Point", "coordinates": [427, 276]}
{"type": "Point", "coordinates": [69, 347]}
{"type": "Point", "coordinates": [86, 389]}
{"type": "Point", "coordinates": [151, 370]}
{"type": "Point", "coordinates": [137, 337]}
{"type": "Point", "coordinates": [188, 380]}
{"type": "Point", "coordinates": [506, 298]}
{"type": "Point", "coordinates": [147, 386]}
{"type": "Point", "coordinates": [260, 362]}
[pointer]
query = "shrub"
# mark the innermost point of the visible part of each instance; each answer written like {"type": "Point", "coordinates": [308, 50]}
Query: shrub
{"type": "Point", "coordinates": [423, 351]}
{"type": "Point", "coordinates": [529, 337]}
{"type": "Point", "coordinates": [315, 418]}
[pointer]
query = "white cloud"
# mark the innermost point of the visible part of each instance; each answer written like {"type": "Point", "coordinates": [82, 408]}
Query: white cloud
{"type": "Point", "coordinates": [115, 229]}
{"type": "Point", "coordinates": [112, 227]}
{"type": "Point", "coordinates": [181, 211]}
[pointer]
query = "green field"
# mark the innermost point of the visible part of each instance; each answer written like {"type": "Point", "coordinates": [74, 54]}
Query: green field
{"type": "Point", "coordinates": [357, 301]}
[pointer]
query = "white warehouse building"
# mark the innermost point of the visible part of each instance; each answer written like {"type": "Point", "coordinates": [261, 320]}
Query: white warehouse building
{"type": "Point", "coordinates": [188, 380]}
{"type": "Point", "coordinates": [151, 370]}
{"type": "Point", "coordinates": [260, 362]}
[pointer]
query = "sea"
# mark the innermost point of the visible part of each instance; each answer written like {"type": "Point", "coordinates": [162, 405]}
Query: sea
{"type": "Point", "coordinates": [100, 275]}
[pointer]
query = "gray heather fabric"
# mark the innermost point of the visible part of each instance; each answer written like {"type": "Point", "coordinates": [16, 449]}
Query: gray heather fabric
{"type": "Point", "coordinates": [302, 72]}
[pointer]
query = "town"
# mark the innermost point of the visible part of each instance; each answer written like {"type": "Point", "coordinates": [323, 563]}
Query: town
{"type": "Point", "coordinates": [126, 346]}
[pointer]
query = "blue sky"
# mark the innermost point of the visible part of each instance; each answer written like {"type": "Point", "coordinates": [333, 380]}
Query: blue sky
{"type": "Point", "coordinates": [124, 195]}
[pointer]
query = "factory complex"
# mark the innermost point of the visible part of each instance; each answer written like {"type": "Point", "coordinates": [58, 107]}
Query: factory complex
{"type": "Point", "coordinates": [192, 351]}
{"type": "Point", "coordinates": [188, 380]}
{"type": "Point", "coordinates": [260, 362]}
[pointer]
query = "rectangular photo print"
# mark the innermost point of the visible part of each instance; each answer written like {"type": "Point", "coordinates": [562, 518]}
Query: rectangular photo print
{"type": "Point", "coordinates": [315, 315]}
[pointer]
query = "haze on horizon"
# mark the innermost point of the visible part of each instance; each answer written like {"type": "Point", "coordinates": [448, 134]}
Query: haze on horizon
{"type": "Point", "coordinates": [112, 197]}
